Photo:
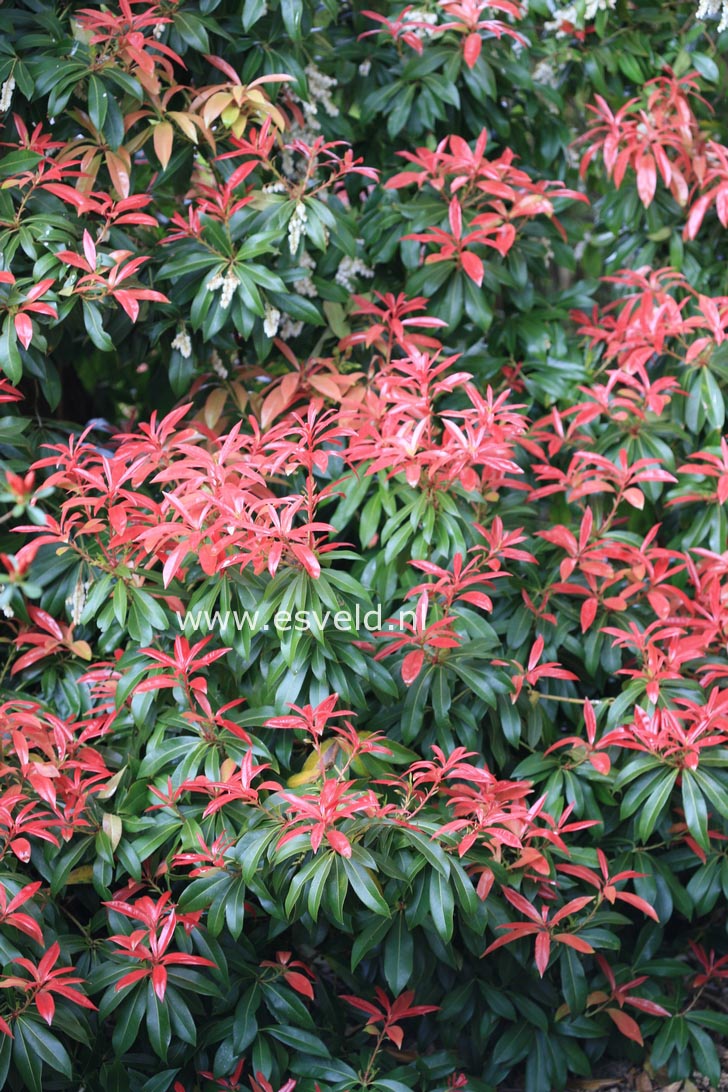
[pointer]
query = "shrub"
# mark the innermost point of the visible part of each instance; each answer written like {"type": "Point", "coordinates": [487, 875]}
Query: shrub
{"type": "Point", "coordinates": [364, 720]}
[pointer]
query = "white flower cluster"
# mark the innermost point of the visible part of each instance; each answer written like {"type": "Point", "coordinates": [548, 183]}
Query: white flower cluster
{"type": "Point", "coordinates": [8, 610]}
{"type": "Point", "coordinates": [271, 321]}
{"type": "Point", "coordinates": [545, 73]}
{"type": "Point", "coordinates": [183, 344]}
{"type": "Point", "coordinates": [365, 67]}
{"type": "Point", "coordinates": [228, 283]}
{"type": "Point", "coordinates": [305, 286]}
{"type": "Point", "coordinates": [217, 365]}
{"type": "Point", "coordinates": [6, 95]}
{"type": "Point", "coordinates": [158, 30]}
{"type": "Point", "coordinates": [289, 328]}
{"type": "Point", "coordinates": [350, 268]}
{"type": "Point", "coordinates": [319, 88]}
{"type": "Point", "coordinates": [77, 601]}
{"type": "Point", "coordinates": [572, 15]}
{"type": "Point", "coordinates": [297, 226]}
{"type": "Point", "coordinates": [419, 15]}
{"type": "Point", "coordinates": [275, 187]}
{"type": "Point", "coordinates": [708, 9]}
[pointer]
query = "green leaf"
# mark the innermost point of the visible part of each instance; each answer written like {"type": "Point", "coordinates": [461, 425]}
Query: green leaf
{"type": "Point", "coordinates": [245, 1024]}
{"type": "Point", "coordinates": [442, 906]}
{"type": "Point", "coordinates": [292, 10]}
{"type": "Point", "coordinates": [705, 1054]}
{"type": "Point", "coordinates": [95, 329]}
{"type": "Point", "coordinates": [253, 10]}
{"type": "Point", "coordinates": [706, 66]}
{"type": "Point", "coordinates": [6, 1053]}
{"type": "Point", "coordinates": [301, 1041]}
{"type": "Point", "coordinates": [398, 955]}
{"type": "Point", "coordinates": [97, 102]}
{"type": "Point", "coordinates": [44, 1044]}
{"type": "Point", "coordinates": [364, 886]}
{"type": "Point", "coordinates": [655, 805]}
{"type": "Point", "coordinates": [430, 850]}
{"type": "Point", "coordinates": [192, 31]}
{"type": "Point", "coordinates": [573, 980]}
{"type": "Point", "coordinates": [158, 1026]}
{"type": "Point", "coordinates": [129, 1017]}
{"type": "Point", "coordinates": [26, 1058]}
{"type": "Point", "coordinates": [368, 939]}
{"type": "Point", "coordinates": [10, 360]}
{"type": "Point", "coordinates": [696, 813]}
{"type": "Point", "coordinates": [318, 883]}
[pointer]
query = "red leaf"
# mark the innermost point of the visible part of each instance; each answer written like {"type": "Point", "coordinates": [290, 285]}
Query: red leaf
{"type": "Point", "coordinates": [412, 665]}
{"type": "Point", "coordinates": [45, 1005]}
{"type": "Point", "coordinates": [640, 904]}
{"type": "Point", "coordinates": [646, 179]}
{"type": "Point", "coordinates": [299, 982]}
{"type": "Point", "coordinates": [159, 981]}
{"type": "Point", "coordinates": [24, 329]}
{"type": "Point", "coordinates": [471, 49]}
{"type": "Point", "coordinates": [588, 613]}
{"type": "Point", "coordinates": [577, 943]}
{"type": "Point", "coordinates": [472, 264]}
{"type": "Point", "coordinates": [628, 1026]}
{"type": "Point", "coordinates": [396, 1035]}
{"type": "Point", "coordinates": [132, 977]}
{"type": "Point", "coordinates": [521, 903]}
{"type": "Point", "coordinates": [455, 216]}
{"type": "Point", "coordinates": [601, 763]}
{"type": "Point", "coordinates": [21, 849]}
{"type": "Point", "coordinates": [338, 842]}
{"type": "Point", "coordinates": [543, 948]}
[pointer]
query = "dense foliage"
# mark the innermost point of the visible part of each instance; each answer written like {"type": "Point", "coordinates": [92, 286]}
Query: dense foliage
{"type": "Point", "coordinates": [365, 587]}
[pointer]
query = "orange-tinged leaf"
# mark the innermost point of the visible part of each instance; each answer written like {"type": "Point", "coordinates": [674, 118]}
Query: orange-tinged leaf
{"type": "Point", "coordinates": [185, 123]}
{"type": "Point", "coordinates": [214, 407]}
{"type": "Point", "coordinates": [119, 169]}
{"type": "Point", "coordinates": [163, 142]}
{"type": "Point", "coordinates": [629, 1027]}
{"type": "Point", "coordinates": [82, 649]}
{"type": "Point", "coordinates": [215, 106]}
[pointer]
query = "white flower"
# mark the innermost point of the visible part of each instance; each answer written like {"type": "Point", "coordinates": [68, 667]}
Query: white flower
{"type": "Point", "coordinates": [348, 269]}
{"type": "Point", "coordinates": [708, 9]}
{"type": "Point", "coordinates": [419, 15]}
{"type": "Point", "coordinates": [77, 601]}
{"type": "Point", "coordinates": [545, 73]}
{"type": "Point", "coordinates": [6, 94]}
{"type": "Point", "coordinates": [158, 30]}
{"type": "Point", "coordinates": [571, 15]}
{"type": "Point", "coordinates": [305, 286]}
{"type": "Point", "coordinates": [217, 365]}
{"type": "Point", "coordinates": [271, 320]}
{"type": "Point", "coordinates": [319, 89]}
{"type": "Point", "coordinates": [297, 226]}
{"type": "Point", "coordinates": [289, 328]}
{"type": "Point", "coordinates": [8, 610]}
{"type": "Point", "coordinates": [228, 283]}
{"type": "Point", "coordinates": [365, 67]}
{"type": "Point", "coordinates": [183, 344]}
